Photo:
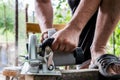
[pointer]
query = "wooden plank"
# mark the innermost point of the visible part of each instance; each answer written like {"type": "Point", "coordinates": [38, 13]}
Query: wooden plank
{"type": "Point", "coordinates": [12, 72]}
{"type": "Point", "coordinates": [84, 74]}
{"type": "Point", "coordinates": [29, 77]}
{"type": "Point", "coordinates": [34, 27]}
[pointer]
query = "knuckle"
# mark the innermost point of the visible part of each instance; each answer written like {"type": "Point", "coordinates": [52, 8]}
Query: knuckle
{"type": "Point", "coordinates": [53, 48]}
{"type": "Point", "coordinates": [73, 45]}
{"type": "Point", "coordinates": [61, 48]}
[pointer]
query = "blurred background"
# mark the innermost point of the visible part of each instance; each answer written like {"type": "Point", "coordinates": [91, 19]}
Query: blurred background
{"type": "Point", "coordinates": [62, 15]}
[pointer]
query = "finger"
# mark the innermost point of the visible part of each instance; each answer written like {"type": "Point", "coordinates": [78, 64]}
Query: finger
{"type": "Point", "coordinates": [44, 36]}
{"type": "Point", "coordinates": [55, 45]}
{"type": "Point", "coordinates": [41, 40]}
{"type": "Point", "coordinates": [61, 47]}
{"type": "Point", "coordinates": [69, 48]}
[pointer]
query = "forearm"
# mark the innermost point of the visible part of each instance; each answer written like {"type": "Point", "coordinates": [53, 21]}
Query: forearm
{"type": "Point", "coordinates": [83, 13]}
{"type": "Point", "coordinates": [44, 13]}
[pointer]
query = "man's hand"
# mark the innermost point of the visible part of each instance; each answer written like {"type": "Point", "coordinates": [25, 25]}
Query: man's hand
{"type": "Point", "coordinates": [44, 36]}
{"type": "Point", "coordinates": [66, 39]}
{"type": "Point", "coordinates": [47, 33]}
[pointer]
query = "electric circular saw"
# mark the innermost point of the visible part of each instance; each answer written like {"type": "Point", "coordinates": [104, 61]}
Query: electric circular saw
{"type": "Point", "coordinates": [43, 61]}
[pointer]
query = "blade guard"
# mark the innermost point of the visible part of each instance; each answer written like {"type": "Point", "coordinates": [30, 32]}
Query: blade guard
{"type": "Point", "coordinates": [32, 46]}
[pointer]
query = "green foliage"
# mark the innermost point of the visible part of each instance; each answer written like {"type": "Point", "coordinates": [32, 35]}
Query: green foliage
{"type": "Point", "coordinates": [61, 12]}
{"type": "Point", "coordinates": [6, 18]}
{"type": "Point", "coordinates": [117, 40]}
{"type": "Point", "coordinates": [9, 24]}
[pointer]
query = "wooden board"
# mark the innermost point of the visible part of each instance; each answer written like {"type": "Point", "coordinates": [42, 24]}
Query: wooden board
{"type": "Point", "coordinates": [35, 28]}
{"type": "Point", "coordinates": [85, 74]}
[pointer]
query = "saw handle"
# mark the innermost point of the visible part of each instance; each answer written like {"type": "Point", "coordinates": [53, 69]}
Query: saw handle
{"type": "Point", "coordinates": [47, 42]}
{"type": "Point", "coordinates": [77, 53]}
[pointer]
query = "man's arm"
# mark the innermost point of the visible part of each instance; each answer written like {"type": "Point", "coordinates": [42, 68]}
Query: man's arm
{"type": "Point", "coordinates": [83, 13]}
{"type": "Point", "coordinates": [68, 38]}
{"type": "Point", "coordinates": [44, 13]}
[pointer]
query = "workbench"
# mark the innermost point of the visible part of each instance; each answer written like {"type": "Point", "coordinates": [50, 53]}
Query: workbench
{"type": "Point", "coordinates": [83, 74]}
